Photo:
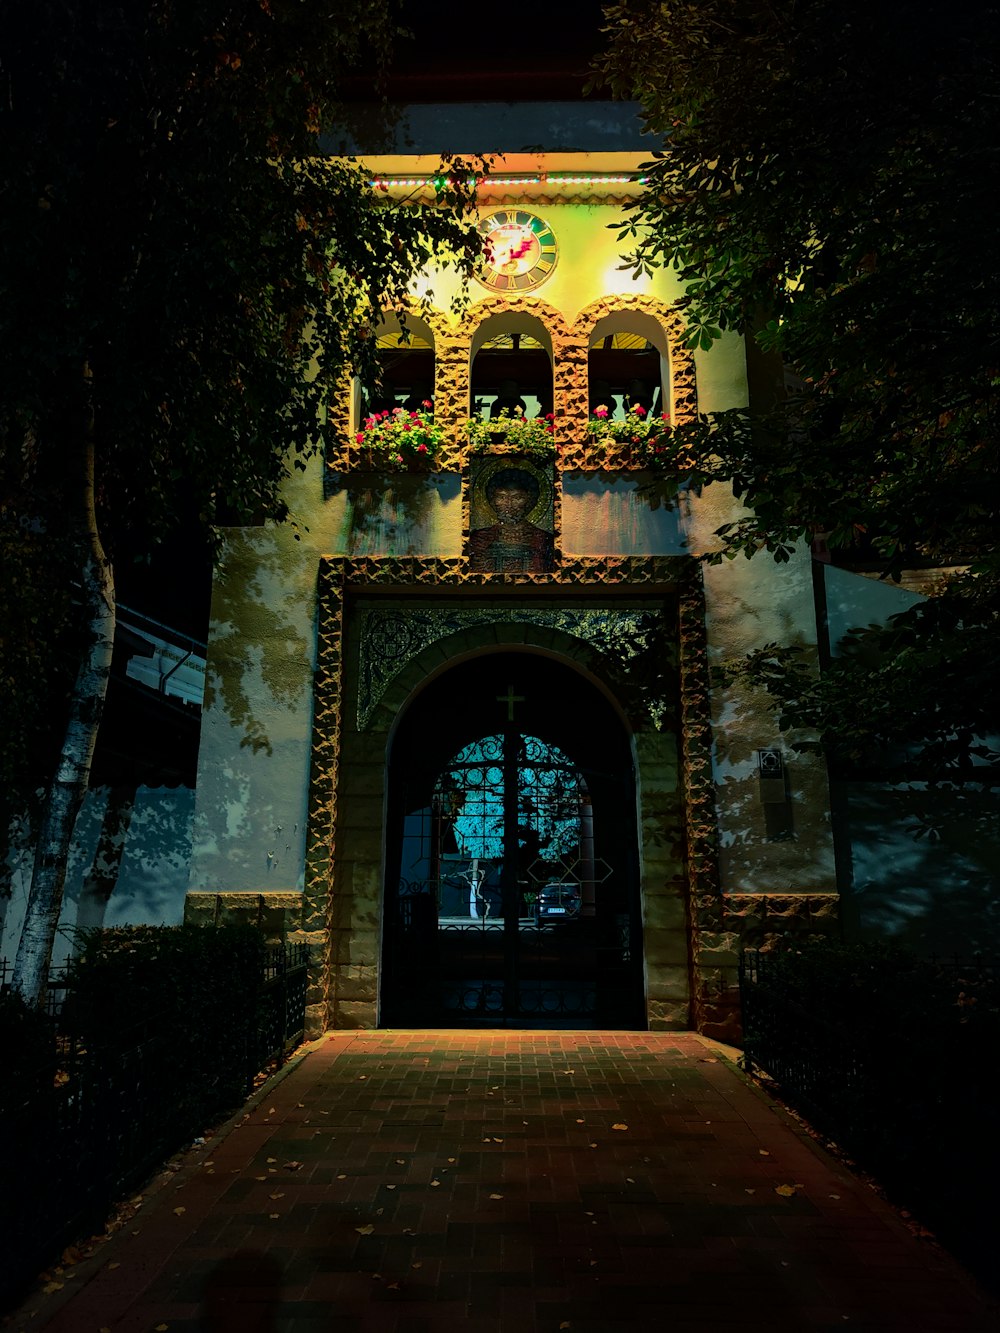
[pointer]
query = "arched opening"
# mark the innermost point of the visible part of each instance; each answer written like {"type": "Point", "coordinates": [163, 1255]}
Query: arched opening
{"type": "Point", "coordinates": [406, 360]}
{"type": "Point", "coordinates": [511, 894]}
{"type": "Point", "coordinates": [511, 367]}
{"type": "Point", "coordinates": [628, 364]}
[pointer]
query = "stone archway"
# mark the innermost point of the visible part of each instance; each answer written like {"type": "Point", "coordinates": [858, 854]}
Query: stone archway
{"type": "Point", "coordinates": [391, 648]}
{"type": "Point", "coordinates": [512, 885]}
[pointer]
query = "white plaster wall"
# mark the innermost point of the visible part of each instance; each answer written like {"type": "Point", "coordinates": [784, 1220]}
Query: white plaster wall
{"type": "Point", "coordinates": [152, 879]}
{"type": "Point", "coordinates": [251, 796]}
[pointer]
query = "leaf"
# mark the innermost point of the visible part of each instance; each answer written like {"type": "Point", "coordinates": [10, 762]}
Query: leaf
{"type": "Point", "coordinates": [366, 1230]}
{"type": "Point", "coordinates": [787, 1191]}
{"type": "Point", "coordinates": [277, 1195]}
{"type": "Point", "coordinates": [619, 1126]}
{"type": "Point", "coordinates": [496, 1196]}
{"type": "Point", "coordinates": [435, 1184]}
{"type": "Point", "coordinates": [293, 1166]}
{"type": "Point", "coordinates": [179, 1211]}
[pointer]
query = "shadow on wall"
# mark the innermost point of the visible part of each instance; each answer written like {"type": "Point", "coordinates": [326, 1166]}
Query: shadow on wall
{"type": "Point", "coordinates": [142, 881]}
{"type": "Point", "coordinates": [926, 868]}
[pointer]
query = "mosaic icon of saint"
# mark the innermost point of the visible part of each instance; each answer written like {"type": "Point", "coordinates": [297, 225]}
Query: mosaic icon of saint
{"type": "Point", "coordinates": [513, 544]}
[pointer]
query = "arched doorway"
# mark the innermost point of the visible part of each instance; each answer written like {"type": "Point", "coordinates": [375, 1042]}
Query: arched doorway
{"type": "Point", "coordinates": [512, 890]}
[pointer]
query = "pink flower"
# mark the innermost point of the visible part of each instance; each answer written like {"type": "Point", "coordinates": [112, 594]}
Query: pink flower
{"type": "Point", "coordinates": [664, 416]}
{"type": "Point", "coordinates": [407, 426]}
{"type": "Point", "coordinates": [639, 410]}
{"type": "Point", "coordinates": [427, 403]}
{"type": "Point", "coordinates": [359, 438]}
{"type": "Point", "coordinates": [601, 412]}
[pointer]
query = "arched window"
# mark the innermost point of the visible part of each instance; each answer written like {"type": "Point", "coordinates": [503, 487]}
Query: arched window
{"type": "Point", "coordinates": [406, 357]}
{"type": "Point", "coordinates": [628, 364]}
{"type": "Point", "coordinates": [511, 366]}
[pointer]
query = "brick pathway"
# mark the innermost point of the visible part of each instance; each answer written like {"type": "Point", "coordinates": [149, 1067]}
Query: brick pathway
{"type": "Point", "coordinates": [402, 1182]}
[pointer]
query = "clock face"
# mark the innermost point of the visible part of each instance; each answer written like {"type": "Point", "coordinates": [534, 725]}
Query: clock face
{"type": "Point", "coordinates": [519, 250]}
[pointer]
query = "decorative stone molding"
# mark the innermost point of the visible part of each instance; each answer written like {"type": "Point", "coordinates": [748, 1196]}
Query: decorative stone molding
{"type": "Point", "coordinates": [570, 351]}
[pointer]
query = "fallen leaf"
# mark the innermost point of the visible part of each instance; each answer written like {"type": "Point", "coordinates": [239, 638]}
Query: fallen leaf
{"type": "Point", "coordinates": [400, 1161]}
{"type": "Point", "coordinates": [786, 1191]}
{"type": "Point", "coordinates": [365, 1230]}
{"type": "Point", "coordinates": [362, 1077]}
{"type": "Point", "coordinates": [749, 1191]}
{"type": "Point", "coordinates": [452, 1159]}
{"type": "Point", "coordinates": [162, 1328]}
{"type": "Point", "coordinates": [50, 1287]}
{"type": "Point", "coordinates": [274, 1216]}
{"type": "Point", "coordinates": [418, 1264]}
{"type": "Point", "coordinates": [626, 1126]}
{"type": "Point", "coordinates": [260, 1177]}
{"type": "Point", "coordinates": [435, 1184]}
{"type": "Point", "coordinates": [390, 1187]}
{"type": "Point", "coordinates": [496, 1196]}
{"type": "Point", "coordinates": [293, 1166]}
{"type": "Point", "coordinates": [496, 1140]}
{"type": "Point", "coordinates": [271, 1159]}
{"type": "Point", "coordinates": [629, 1180]}
{"type": "Point", "coordinates": [593, 1145]}
{"type": "Point", "coordinates": [71, 1255]}
{"type": "Point", "coordinates": [565, 1324]}
{"type": "Point", "coordinates": [276, 1195]}
{"type": "Point", "coordinates": [393, 1286]}
{"type": "Point", "coordinates": [762, 1152]}
{"type": "Point", "coordinates": [180, 1210]}
{"type": "Point", "coordinates": [116, 1264]}
{"type": "Point", "coordinates": [342, 1176]}
{"type": "Point", "coordinates": [834, 1196]}
{"type": "Point", "coordinates": [272, 1110]}
{"type": "Point", "coordinates": [579, 1122]}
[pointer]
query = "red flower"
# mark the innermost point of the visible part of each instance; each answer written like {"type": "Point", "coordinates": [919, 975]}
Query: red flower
{"type": "Point", "coordinates": [421, 448]}
{"type": "Point", "coordinates": [360, 436]}
{"type": "Point", "coordinates": [639, 410]}
{"type": "Point", "coordinates": [550, 416]}
{"type": "Point", "coordinates": [427, 403]}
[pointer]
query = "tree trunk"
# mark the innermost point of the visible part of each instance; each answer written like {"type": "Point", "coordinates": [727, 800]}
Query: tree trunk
{"type": "Point", "coordinates": [103, 874]}
{"type": "Point", "coordinates": [70, 782]}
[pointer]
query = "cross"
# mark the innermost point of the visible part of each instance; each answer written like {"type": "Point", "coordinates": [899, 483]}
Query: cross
{"type": "Point", "coordinates": [510, 699]}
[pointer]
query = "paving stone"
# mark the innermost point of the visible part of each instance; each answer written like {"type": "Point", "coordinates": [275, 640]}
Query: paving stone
{"type": "Point", "coordinates": [519, 1182]}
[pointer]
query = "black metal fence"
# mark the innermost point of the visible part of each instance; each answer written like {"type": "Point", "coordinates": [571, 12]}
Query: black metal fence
{"type": "Point", "coordinates": [88, 1123]}
{"type": "Point", "coordinates": [893, 1058]}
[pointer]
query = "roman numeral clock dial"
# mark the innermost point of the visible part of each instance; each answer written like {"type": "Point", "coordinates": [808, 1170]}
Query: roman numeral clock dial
{"type": "Point", "coordinates": [519, 250]}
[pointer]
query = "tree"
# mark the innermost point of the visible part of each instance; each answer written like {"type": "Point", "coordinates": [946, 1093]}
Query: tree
{"type": "Point", "coordinates": [185, 282]}
{"type": "Point", "coordinates": [824, 184]}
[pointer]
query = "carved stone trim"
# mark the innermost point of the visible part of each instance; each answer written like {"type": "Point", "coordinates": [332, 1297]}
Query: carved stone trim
{"type": "Point", "coordinates": [570, 351]}
{"type": "Point", "coordinates": [630, 640]}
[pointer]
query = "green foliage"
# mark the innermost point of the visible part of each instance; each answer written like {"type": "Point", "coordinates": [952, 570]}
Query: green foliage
{"type": "Point", "coordinates": [184, 280]}
{"type": "Point", "coordinates": [524, 435]}
{"type": "Point", "coordinates": [398, 437]}
{"type": "Point", "coordinates": [194, 990]}
{"type": "Point", "coordinates": [824, 183]}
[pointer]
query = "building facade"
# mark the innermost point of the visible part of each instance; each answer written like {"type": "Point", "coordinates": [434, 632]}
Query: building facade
{"type": "Point", "coordinates": [462, 732]}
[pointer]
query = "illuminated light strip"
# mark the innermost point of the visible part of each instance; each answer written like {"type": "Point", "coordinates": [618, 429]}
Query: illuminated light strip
{"type": "Point", "coordinates": [415, 182]}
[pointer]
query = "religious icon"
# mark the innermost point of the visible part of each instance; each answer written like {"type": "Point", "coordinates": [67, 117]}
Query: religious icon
{"type": "Point", "coordinates": [511, 517]}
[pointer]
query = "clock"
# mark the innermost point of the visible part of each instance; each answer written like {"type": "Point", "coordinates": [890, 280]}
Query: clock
{"type": "Point", "coordinates": [519, 250]}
